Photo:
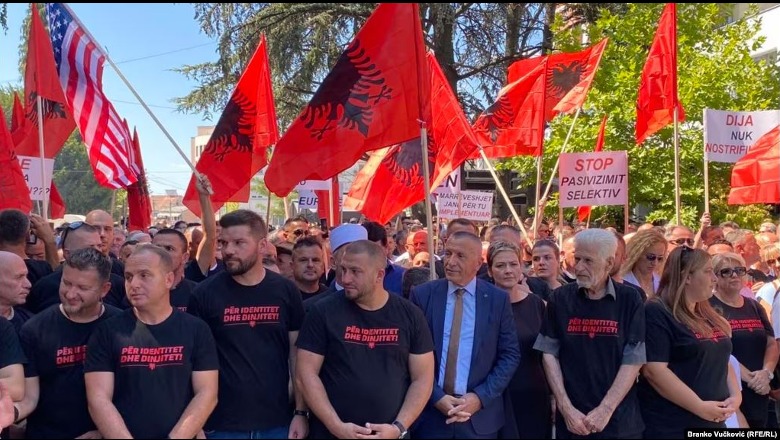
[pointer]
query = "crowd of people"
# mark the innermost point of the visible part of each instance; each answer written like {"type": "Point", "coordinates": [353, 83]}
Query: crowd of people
{"type": "Point", "coordinates": [231, 329]}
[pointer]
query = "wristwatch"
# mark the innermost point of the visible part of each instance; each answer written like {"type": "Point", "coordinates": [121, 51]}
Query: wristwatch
{"type": "Point", "coordinates": [771, 375]}
{"type": "Point", "coordinates": [401, 428]}
{"type": "Point", "coordinates": [300, 412]}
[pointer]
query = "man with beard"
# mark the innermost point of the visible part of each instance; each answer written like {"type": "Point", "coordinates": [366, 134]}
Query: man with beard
{"type": "Point", "coordinates": [151, 371]}
{"type": "Point", "coordinates": [55, 342]}
{"type": "Point", "coordinates": [255, 315]}
{"type": "Point", "coordinates": [308, 265]}
{"type": "Point", "coordinates": [174, 242]}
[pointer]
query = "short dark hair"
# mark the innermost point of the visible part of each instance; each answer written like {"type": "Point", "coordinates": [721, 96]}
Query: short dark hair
{"type": "Point", "coordinates": [722, 241]}
{"type": "Point", "coordinates": [179, 234]}
{"type": "Point", "coordinates": [502, 228]}
{"type": "Point", "coordinates": [14, 226]}
{"type": "Point", "coordinates": [245, 217]}
{"type": "Point", "coordinates": [71, 228]}
{"type": "Point", "coordinates": [299, 218]}
{"type": "Point", "coordinates": [375, 252]}
{"type": "Point", "coordinates": [463, 222]}
{"type": "Point", "coordinates": [414, 277]}
{"type": "Point", "coordinates": [90, 258]}
{"type": "Point", "coordinates": [180, 223]}
{"type": "Point", "coordinates": [307, 242]}
{"type": "Point", "coordinates": [165, 259]}
{"type": "Point", "coordinates": [376, 232]}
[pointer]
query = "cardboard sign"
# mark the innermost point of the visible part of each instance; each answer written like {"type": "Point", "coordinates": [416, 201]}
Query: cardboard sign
{"type": "Point", "coordinates": [593, 179]}
{"type": "Point", "coordinates": [729, 135]}
{"type": "Point", "coordinates": [472, 205]}
{"type": "Point", "coordinates": [31, 167]}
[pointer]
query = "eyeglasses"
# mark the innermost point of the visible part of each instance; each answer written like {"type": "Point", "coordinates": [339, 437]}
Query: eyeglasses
{"type": "Point", "coordinates": [773, 261]}
{"type": "Point", "coordinates": [682, 241]}
{"type": "Point", "coordinates": [70, 227]}
{"type": "Point", "coordinates": [654, 257]}
{"type": "Point", "coordinates": [728, 272]}
{"type": "Point", "coordinates": [299, 232]}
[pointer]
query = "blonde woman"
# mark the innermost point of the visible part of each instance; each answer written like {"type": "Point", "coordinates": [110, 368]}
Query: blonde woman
{"type": "Point", "coordinates": [752, 336]}
{"type": "Point", "coordinates": [770, 255]}
{"type": "Point", "coordinates": [689, 383]}
{"type": "Point", "coordinates": [645, 254]}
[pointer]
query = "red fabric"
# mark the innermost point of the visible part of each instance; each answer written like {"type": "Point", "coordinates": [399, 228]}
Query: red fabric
{"type": "Point", "coordinates": [755, 177]}
{"type": "Point", "coordinates": [657, 97]}
{"type": "Point", "coordinates": [138, 202]}
{"type": "Point", "coordinates": [14, 192]}
{"type": "Point", "coordinates": [323, 203]}
{"type": "Point", "coordinates": [569, 76]}
{"type": "Point", "coordinates": [514, 124]}
{"type": "Point", "coordinates": [238, 148]}
{"type": "Point", "coordinates": [56, 204]}
{"type": "Point", "coordinates": [18, 123]}
{"type": "Point", "coordinates": [371, 99]}
{"type": "Point", "coordinates": [583, 212]}
{"type": "Point", "coordinates": [392, 180]}
{"type": "Point", "coordinates": [40, 79]}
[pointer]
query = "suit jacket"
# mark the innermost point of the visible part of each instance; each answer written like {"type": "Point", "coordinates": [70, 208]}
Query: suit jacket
{"type": "Point", "coordinates": [494, 358]}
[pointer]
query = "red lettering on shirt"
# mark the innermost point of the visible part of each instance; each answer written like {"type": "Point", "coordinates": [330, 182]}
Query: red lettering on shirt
{"type": "Point", "coordinates": [70, 356]}
{"type": "Point", "coordinates": [151, 357]}
{"type": "Point", "coordinates": [251, 316]}
{"type": "Point", "coordinates": [371, 336]}
{"type": "Point", "coordinates": [746, 324]}
{"type": "Point", "coordinates": [716, 335]}
{"type": "Point", "coordinates": [592, 327]}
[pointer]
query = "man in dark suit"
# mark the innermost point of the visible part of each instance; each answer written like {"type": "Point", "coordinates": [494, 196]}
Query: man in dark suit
{"type": "Point", "coordinates": [476, 346]}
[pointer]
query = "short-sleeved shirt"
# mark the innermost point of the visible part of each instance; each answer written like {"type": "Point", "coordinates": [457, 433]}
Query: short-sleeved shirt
{"type": "Point", "coordinates": [603, 335]}
{"type": "Point", "coordinates": [700, 362]}
{"type": "Point", "coordinates": [10, 350]}
{"type": "Point", "coordinates": [152, 366]}
{"type": "Point", "coordinates": [366, 356]}
{"type": "Point", "coordinates": [251, 325]}
{"type": "Point", "coordinates": [56, 349]}
{"type": "Point", "coordinates": [321, 289]}
{"type": "Point", "coordinates": [181, 294]}
{"type": "Point", "coordinates": [750, 330]}
{"type": "Point", "coordinates": [46, 293]}
{"type": "Point", "coordinates": [36, 269]}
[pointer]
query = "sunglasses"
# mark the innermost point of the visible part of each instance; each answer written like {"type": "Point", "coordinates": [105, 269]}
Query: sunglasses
{"type": "Point", "coordinates": [654, 257]}
{"type": "Point", "coordinates": [682, 241]}
{"type": "Point", "coordinates": [728, 272]}
{"type": "Point", "coordinates": [299, 232]}
{"type": "Point", "coordinates": [70, 227]}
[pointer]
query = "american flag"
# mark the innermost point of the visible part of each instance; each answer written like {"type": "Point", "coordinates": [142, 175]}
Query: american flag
{"type": "Point", "coordinates": [80, 66]}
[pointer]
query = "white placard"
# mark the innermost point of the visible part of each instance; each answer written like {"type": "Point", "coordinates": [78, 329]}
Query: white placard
{"type": "Point", "coordinates": [31, 168]}
{"type": "Point", "coordinates": [729, 135]}
{"type": "Point", "coordinates": [314, 185]}
{"type": "Point", "coordinates": [593, 179]}
{"type": "Point", "coordinates": [472, 205]}
{"type": "Point", "coordinates": [452, 182]}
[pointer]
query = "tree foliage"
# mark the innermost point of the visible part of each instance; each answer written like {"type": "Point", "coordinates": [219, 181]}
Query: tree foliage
{"type": "Point", "coordinates": [715, 71]}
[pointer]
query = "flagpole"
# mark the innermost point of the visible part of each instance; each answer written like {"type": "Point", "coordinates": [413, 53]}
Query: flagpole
{"type": "Point", "coordinates": [268, 210]}
{"type": "Point", "coordinates": [44, 193]}
{"type": "Point", "coordinates": [587, 224]}
{"type": "Point", "coordinates": [706, 183]}
{"type": "Point", "coordinates": [331, 205]}
{"type": "Point", "coordinates": [563, 150]}
{"type": "Point", "coordinates": [505, 195]}
{"type": "Point", "coordinates": [628, 193]}
{"type": "Point", "coordinates": [286, 208]}
{"type": "Point", "coordinates": [428, 210]}
{"type": "Point", "coordinates": [676, 171]}
{"type": "Point", "coordinates": [132, 89]}
{"type": "Point", "coordinates": [538, 193]}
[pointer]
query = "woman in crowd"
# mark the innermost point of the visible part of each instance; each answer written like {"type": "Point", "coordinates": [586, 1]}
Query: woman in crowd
{"type": "Point", "coordinates": [689, 383]}
{"type": "Point", "coordinates": [546, 261]}
{"type": "Point", "coordinates": [751, 336]}
{"type": "Point", "coordinates": [770, 256]}
{"type": "Point", "coordinates": [528, 390]}
{"type": "Point", "coordinates": [645, 252]}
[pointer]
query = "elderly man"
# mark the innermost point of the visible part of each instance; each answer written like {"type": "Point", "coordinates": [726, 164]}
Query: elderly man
{"type": "Point", "coordinates": [476, 346]}
{"type": "Point", "coordinates": [14, 289]}
{"type": "Point", "coordinates": [600, 324]}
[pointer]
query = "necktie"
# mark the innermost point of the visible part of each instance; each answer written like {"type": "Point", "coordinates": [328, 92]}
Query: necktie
{"type": "Point", "coordinates": [451, 367]}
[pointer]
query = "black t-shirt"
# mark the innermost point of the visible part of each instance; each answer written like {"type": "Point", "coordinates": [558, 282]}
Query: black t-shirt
{"type": "Point", "coordinates": [46, 293]}
{"type": "Point", "coordinates": [700, 363]}
{"type": "Point", "coordinates": [305, 295]}
{"type": "Point", "coordinates": [152, 366]}
{"type": "Point", "coordinates": [117, 267]}
{"type": "Point", "coordinates": [251, 325]}
{"type": "Point", "coordinates": [20, 317]}
{"type": "Point", "coordinates": [10, 349]}
{"type": "Point", "coordinates": [529, 376]}
{"type": "Point", "coordinates": [596, 334]}
{"type": "Point", "coordinates": [36, 269]}
{"type": "Point", "coordinates": [180, 296]}
{"type": "Point", "coordinates": [366, 367]}
{"type": "Point", "coordinates": [56, 348]}
{"type": "Point", "coordinates": [750, 328]}
{"type": "Point", "coordinates": [309, 303]}
{"type": "Point", "coordinates": [192, 271]}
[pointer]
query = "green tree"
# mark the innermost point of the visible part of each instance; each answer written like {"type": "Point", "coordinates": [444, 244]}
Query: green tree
{"type": "Point", "coordinates": [277, 204]}
{"type": "Point", "coordinates": [715, 70]}
{"type": "Point", "coordinates": [76, 182]}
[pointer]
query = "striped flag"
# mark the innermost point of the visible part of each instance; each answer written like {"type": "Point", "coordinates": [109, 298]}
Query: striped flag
{"type": "Point", "coordinates": [80, 67]}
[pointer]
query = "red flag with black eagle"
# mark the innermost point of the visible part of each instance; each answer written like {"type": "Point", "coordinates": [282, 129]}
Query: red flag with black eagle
{"type": "Point", "coordinates": [238, 148]}
{"type": "Point", "coordinates": [370, 99]}
{"type": "Point", "coordinates": [568, 77]}
{"type": "Point", "coordinates": [14, 192]}
{"type": "Point", "coordinates": [138, 202]}
{"type": "Point", "coordinates": [41, 79]}
{"type": "Point", "coordinates": [392, 180]}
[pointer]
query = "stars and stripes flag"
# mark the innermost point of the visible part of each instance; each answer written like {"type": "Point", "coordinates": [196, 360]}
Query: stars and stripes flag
{"type": "Point", "coordinates": [80, 67]}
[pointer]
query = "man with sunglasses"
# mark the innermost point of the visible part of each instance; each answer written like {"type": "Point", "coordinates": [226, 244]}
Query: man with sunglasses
{"type": "Point", "coordinates": [104, 223]}
{"type": "Point", "coordinates": [295, 229]}
{"type": "Point", "coordinates": [77, 235]}
{"type": "Point", "coordinates": [678, 235]}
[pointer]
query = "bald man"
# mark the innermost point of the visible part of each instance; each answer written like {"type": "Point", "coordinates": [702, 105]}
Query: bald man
{"type": "Point", "coordinates": [105, 224]}
{"type": "Point", "coordinates": [14, 289]}
{"type": "Point", "coordinates": [46, 292]}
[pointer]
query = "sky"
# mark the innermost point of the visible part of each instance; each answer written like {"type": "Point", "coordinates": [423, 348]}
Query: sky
{"type": "Point", "coordinates": [146, 41]}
